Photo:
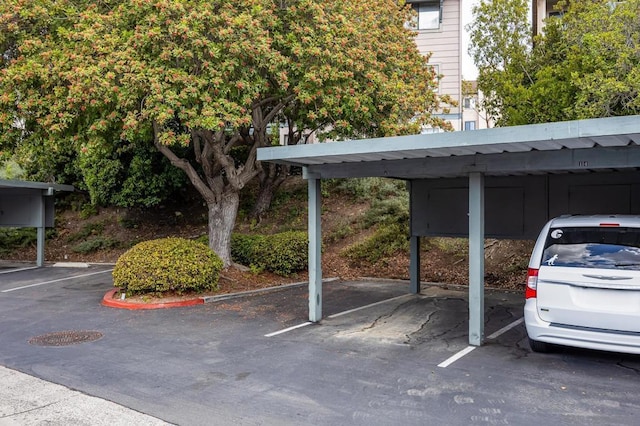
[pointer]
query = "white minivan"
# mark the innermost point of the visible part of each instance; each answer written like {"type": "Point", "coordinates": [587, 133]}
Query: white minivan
{"type": "Point", "coordinates": [583, 284]}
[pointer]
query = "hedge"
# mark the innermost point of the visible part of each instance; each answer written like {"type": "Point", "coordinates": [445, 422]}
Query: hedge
{"type": "Point", "coordinates": [167, 264]}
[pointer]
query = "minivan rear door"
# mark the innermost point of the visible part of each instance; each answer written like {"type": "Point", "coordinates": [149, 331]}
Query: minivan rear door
{"type": "Point", "coordinates": [590, 278]}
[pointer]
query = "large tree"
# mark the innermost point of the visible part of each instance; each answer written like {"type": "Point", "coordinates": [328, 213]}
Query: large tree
{"type": "Point", "coordinates": [585, 64]}
{"type": "Point", "coordinates": [204, 79]}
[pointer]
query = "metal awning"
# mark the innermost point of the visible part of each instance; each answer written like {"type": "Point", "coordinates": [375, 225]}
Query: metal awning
{"type": "Point", "coordinates": [26, 204]}
{"type": "Point", "coordinates": [606, 143]}
{"type": "Point", "coordinates": [582, 146]}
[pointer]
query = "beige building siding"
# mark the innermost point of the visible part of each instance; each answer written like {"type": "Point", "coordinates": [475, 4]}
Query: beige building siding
{"type": "Point", "coordinates": [444, 45]}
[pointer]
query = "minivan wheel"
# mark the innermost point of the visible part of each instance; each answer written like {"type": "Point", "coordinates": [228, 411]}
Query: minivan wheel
{"type": "Point", "coordinates": [537, 346]}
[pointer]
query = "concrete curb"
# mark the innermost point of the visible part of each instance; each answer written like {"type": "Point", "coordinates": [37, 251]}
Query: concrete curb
{"type": "Point", "coordinates": [110, 302]}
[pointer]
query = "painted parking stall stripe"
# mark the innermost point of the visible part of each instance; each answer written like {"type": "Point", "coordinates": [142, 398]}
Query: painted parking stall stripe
{"type": "Point", "coordinates": [454, 358]}
{"type": "Point", "coordinates": [275, 333]}
{"type": "Point", "coordinates": [339, 314]}
{"type": "Point", "coordinates": [469, 349]}
{"type": "Point", "coordinates": [55, 281]}
{"type": "Point", "coordinates": [506, 328]}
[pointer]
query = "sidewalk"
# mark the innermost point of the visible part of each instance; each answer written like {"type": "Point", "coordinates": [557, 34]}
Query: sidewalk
{"type": "Point", "coordinates": [26, 400]}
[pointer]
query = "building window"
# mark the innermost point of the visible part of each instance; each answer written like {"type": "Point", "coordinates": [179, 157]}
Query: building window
{"type": "Point", "coordinates": [469, 125]}
{"type": "Point", "coordinates": [429, 17]}
{"type": "Point", "coordinates": [469, 103]}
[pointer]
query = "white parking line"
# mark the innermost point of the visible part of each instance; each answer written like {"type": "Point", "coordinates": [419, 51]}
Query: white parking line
{"type": "Point", "coordinates": [468, 349]}
{"type": "Point", "coordinates": [454, 358]}
{"type": "Point", "coordinates": [506, 328]}
{"type": "Point", "coordinates": [54, 281]}
{"type": "Point", "coordinates": [275, 333]}
{"type": "Point", "coordinates": [18, 270]}
{"type": "Point", "coordinates": [368, 306]}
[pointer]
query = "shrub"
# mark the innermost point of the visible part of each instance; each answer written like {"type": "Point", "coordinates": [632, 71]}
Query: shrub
{"type": "Point", "coordinates": [386, 241]}
{"type": "Point", "coordinates": [94, 244]}
{"type": "Point", "coordinates": [243, 248]}
{"type": "Point", "coordinates": [283, 254]}
{"type": "Point", "coordinates": [14, 238]}
{"type": "Point", "coordinates": [167, 264]}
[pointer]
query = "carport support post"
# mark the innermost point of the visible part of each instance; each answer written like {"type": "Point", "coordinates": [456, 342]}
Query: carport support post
{"type": "Point", "coordinates": [315, 248]}
{"type": "Point", "coordinates": [476, 258]}
{"type": "Point", "coordinates": [40, 235]}
{"type": "Point", "coordinates": [414, 264]}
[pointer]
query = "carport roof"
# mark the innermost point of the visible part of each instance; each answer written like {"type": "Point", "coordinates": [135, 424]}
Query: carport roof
{"type": "Point", "coordinates": [21, 184]}
{"type": "Point", "coordinates": [606, 143]}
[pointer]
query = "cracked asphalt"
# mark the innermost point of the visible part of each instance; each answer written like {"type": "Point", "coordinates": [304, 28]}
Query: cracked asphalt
{"type": "Point", "coordinates": [213, 364]}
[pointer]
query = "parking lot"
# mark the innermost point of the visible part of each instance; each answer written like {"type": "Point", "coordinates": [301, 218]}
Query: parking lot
{"type": "Point", "coordinates": [380, 356]}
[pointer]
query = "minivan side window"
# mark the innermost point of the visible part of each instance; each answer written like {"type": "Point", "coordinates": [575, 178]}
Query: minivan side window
{"type": "Point", "coordinates": [593, 247]}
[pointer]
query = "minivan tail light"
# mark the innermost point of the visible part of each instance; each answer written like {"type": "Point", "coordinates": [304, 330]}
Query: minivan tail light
{"type": "Point", "coordinates": [531, 291]}
{"type": "Point", "coordinates": [609, 225]}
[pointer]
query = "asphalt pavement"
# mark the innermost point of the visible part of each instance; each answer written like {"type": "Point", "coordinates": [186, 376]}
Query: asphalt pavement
{"type": "Point", "coordinates": [380, 356]}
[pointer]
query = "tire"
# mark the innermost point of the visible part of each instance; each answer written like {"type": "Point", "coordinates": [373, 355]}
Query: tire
{"type": "Point", "coordinates": [540, 347]}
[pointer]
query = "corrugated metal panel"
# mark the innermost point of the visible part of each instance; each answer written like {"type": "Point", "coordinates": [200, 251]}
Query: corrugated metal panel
{"type": "Point", "coordinates": [616, 132]}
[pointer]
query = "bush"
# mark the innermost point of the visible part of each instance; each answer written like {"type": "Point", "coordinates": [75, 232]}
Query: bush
{"type": "Point", "coordinates": [243, 248]}
{"type": "Point", "coordinates": [15, 238]}
{"type": "Point", "coordinates": [385, 242]}
{"type": "Point", "coordinates": [283, 254]}
{"type": "Point", "coordinates": [95, 244]}
{"type": "Point", "coordinates": [167, 264]}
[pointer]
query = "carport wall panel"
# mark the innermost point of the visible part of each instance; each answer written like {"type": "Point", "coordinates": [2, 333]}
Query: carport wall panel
{"type": "Point", "coordinates": [518, 206]}
{"type": "Point", "coordinates": [21, 208]}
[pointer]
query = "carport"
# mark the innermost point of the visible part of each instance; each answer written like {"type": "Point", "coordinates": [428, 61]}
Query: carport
{"type": "Point", "coordinates": [502, 183]}
{"type": "Point", "coordinates": [29, 205]}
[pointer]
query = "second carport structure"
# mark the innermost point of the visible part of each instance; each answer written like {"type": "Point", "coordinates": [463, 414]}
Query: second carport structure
{"type": "Point", "coordinates": [500, 183]}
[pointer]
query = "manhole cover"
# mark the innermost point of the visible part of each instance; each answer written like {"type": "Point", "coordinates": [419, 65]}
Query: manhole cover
{"type": "Point", "coordinates": [65, 338]}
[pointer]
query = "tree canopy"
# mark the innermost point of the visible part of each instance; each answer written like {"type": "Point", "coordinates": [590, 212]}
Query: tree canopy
{"type": "Point", "coordinates": [584, 65]}
{"type": "Point", "coordinates": [200, 79]}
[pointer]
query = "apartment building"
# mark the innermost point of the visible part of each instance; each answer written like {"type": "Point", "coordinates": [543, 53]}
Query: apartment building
{"type": "Point", "coordinates": [541, 10]}
{"type": "Point", "coordinates": [439, 27]}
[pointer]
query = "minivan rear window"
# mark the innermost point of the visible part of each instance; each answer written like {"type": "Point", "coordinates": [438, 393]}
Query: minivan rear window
{"type": "Point", "coordinates": [593, 247]}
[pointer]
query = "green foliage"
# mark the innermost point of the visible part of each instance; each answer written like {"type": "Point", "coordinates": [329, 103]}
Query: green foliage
{"type": "Point", "coordinates": [341, 231]}
{"type": "Point", "coordinates": [14, 238]}
{"type": "Point", "coordinates": [585, 64]}
{"type": "Point", "coordinates": [168, 264]}
{"type": "Point", "coordinates": [92, 245]}
{"type": "Point", "coordinates": [195, 79]}
{"type": "Point", "coordinates": [453, 246]}
{"type": "Point", "coordinates": [10, 169]}
{"type": "Point", "coordinates": [90, 229]}
{"type": "Point", "coordinates": [387, 241]}
{"type": "Point", "coordinates": [283, 254]}
{"type": "Point", "coordinates": [388, 211]}
{"type": "Point", "coordinates": [367, 188]}
{"type": "Point", "coordinates": [87, 210]}
{"type": "Point", "coordinates": [243, 248]}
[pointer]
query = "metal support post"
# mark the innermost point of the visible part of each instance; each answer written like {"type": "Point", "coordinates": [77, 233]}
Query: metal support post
{"type": "Point", "coordinates": [414, 265]}
{"type": "Point", "coordinates": [315, 249]}
{"type": "Point", "coordinates": [476, 258]}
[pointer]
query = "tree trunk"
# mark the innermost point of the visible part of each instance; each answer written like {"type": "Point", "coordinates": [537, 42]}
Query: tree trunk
{"type": "Point", "coordinates": [263, 201]}
{"type": "Point", "coordinates": [222, 218]}
{"type": "Point", "coordinates": [269, 184]}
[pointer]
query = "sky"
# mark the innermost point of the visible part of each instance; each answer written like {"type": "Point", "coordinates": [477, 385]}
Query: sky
{"type": "Point", "coordinates": [469, 70]}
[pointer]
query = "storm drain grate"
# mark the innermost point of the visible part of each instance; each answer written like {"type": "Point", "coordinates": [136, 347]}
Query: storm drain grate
{"type": "Point", "coordinates": [65, 338]}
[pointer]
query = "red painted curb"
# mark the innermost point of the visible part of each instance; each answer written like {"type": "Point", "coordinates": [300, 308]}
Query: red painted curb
{"type": "Point", "coordinates": [109, 301]}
